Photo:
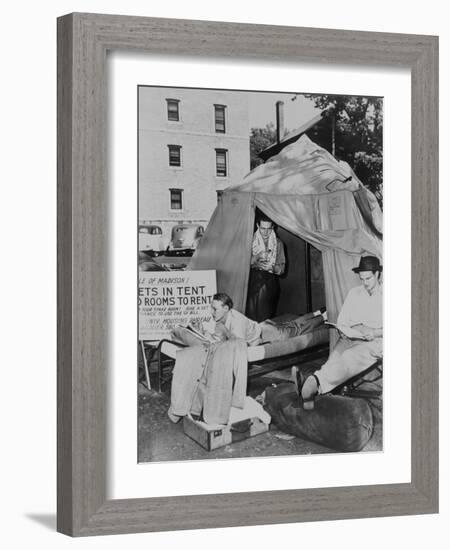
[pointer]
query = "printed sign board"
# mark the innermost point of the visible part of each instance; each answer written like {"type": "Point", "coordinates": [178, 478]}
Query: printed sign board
{"type": "Point", "coordinates": [167, 299]}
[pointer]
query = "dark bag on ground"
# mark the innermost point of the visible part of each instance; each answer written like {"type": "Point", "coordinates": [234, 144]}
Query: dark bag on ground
{"type": "Point", "coordinates": [336, 422]}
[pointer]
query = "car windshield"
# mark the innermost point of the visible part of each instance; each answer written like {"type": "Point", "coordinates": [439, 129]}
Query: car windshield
{"type": "Point", "coordinates": [152, 230]}
{"type": "Point", "coordinates": [189, 228]}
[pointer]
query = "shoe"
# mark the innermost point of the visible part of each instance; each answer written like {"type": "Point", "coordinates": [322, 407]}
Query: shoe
{"type": "Point", "coordinates": [310, 388]}
{"type": "Point", "coordinates": [261, 398]}
{"type": "Point", "coordinates": [321, 312]}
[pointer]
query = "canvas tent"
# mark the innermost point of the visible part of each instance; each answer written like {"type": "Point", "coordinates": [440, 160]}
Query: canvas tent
{"type": "Point", "coordinates": [314, 197]}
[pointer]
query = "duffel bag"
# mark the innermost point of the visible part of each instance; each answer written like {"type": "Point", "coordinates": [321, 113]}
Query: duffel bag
{"type": "Point", "coordinates": [337, 422]}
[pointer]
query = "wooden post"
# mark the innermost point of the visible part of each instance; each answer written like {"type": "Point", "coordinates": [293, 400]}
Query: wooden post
{"type": "Point", "coordinates": [308, 277]}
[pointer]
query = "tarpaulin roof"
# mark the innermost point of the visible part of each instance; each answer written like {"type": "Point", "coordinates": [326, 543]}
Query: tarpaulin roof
{"type": "Point", "coordinates": [301, 168]}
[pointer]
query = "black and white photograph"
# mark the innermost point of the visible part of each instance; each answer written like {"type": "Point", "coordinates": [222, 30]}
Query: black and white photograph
{"type": "Point", "coordinates": [260, 267]}
{"type": "Point", "coordinates": [233, 234]}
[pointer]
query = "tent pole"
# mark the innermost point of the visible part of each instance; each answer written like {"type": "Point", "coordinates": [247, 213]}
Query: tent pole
{"type": "Point", "coordinates": [308, 277]}
{"type": "Point", "coordinates": [333, 133]}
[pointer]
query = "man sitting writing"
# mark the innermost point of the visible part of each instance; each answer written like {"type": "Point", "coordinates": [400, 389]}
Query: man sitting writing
{"type": "Point", "coordinates": [362, 311]}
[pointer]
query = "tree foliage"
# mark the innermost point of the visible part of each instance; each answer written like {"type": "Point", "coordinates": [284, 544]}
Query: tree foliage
{"type": "Point", "coordinates": [260, 139]}
{"type": "Point", "coordinates": [358, 137]}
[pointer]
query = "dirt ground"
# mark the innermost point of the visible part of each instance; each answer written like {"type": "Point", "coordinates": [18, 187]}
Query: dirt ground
{"type": "Point", "coordinates": [161, 440]}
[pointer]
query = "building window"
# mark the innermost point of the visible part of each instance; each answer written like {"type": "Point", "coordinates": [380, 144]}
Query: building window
{"type": "Point", "coordinates": [221, 162]}
{"type": "Point", "coordinates": [219, 196]}
{"type": "Point", "coordinates": [174, 155]}
{"type": "Point", "coordinates": [173, 109]}
{"type": "Point", "coordinates": [176, 199]}
{"type": "Point", "coordinates": [219, 118]}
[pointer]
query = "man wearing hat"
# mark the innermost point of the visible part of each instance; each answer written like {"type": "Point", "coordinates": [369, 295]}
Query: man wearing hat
{"type": "Point", "coordinates": [361, 311]}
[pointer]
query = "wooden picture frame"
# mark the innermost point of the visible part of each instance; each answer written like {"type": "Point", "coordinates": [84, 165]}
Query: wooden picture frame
{"type": "Point", "coordinates": [83, 41]}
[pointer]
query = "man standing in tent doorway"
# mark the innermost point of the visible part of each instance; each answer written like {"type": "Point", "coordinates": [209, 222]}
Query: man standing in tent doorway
{"type": "Point", "coordinates": [266, 265]}
{"type": "Point", "coordinates": [360, 323]}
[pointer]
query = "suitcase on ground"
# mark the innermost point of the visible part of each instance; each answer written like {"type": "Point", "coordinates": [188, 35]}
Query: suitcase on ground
{"type": "Point", "coordinates": [213, 437]}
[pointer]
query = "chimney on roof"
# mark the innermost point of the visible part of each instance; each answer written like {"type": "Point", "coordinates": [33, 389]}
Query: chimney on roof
{"type": "Point", "coordinates": [280, 120]}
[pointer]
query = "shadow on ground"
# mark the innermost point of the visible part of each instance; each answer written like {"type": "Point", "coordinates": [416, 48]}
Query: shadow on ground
{"type": "Point", "coordinates": [46, 520]}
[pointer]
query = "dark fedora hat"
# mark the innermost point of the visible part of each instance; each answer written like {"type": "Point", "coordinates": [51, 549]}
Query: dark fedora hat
{"type": "Point", "coordinates": [368, 263]}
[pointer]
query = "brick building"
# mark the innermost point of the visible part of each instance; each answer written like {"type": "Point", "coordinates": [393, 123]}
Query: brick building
{"type": "Point", "coordinates": [193, 143]}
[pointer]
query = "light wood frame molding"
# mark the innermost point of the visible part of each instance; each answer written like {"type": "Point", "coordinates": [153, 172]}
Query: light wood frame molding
{"type": "Point", "coordinates": [83, 41]}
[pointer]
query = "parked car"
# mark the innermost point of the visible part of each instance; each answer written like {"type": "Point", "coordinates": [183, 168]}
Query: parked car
{"type": "Point", "coordinates": [151, 240]}
{"type": "Point", "coordinates": [148, 264]}
{"type": "Point", "coordinates": [185, 239]}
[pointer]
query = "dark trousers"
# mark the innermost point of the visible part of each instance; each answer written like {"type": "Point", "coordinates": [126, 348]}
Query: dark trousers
{"type": "Point", "coordinates": [273, 331]}
{"type": "Point", "coordinates": [263, 289]}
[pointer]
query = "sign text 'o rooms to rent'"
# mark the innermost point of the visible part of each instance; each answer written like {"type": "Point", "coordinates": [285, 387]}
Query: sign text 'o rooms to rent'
{"type": "Point", "coordinates": [167, 299]}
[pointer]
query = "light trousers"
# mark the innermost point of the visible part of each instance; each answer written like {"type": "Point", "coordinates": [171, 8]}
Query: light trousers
{"type": "Point", "coordinates": [349, 358]}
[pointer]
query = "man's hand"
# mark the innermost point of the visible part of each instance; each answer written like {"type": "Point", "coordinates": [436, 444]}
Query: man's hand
{"type": "Point", "coordinates": [261, 260]}
{"type": "Point", "coordinates": [197, 324]}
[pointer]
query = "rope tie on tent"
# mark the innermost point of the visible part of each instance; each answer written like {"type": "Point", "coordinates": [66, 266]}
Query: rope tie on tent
{"type": "Point", "coordinates": [336, 180]}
